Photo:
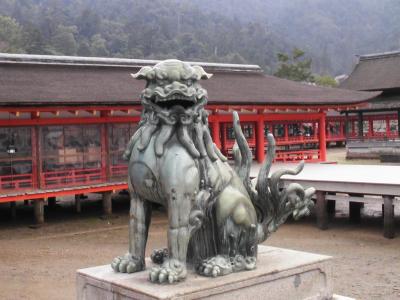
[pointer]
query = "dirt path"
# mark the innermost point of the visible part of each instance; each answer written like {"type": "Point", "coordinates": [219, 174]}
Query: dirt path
{"type": "Point", "coordinates": [41, 263]}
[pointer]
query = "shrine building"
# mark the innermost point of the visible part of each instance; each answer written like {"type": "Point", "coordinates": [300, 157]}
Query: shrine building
{"type": "Point", "coordinates": [375, 127]}
{"type": "Point", "coordinates": [65, 121]}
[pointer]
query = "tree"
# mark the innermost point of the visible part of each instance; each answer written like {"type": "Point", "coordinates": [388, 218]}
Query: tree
{"type": "Point", "coordinates": [295, 67]}
{"type": "Point", "coordinates": [325, 80]}
{"type": "Point", "coordinates": [98, 46]}
{"type": "Point", "coordinates": [11, 37]}
{"type": "Point", "coordinates": [64, 41]}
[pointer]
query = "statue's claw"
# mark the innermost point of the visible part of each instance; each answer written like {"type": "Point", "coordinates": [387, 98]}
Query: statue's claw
{"type": "Point", "coordinates": [215, 266]}
{"type": "Point", "coordinates": [127, 264]}
{"type": "Point", "coordinates": [171, 271]}
{"type": "Point", "coordinates": [223, 265]}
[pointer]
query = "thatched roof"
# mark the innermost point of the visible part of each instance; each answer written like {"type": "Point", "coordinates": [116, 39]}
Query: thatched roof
{"type": "Point", "coordinates": [63, 80]}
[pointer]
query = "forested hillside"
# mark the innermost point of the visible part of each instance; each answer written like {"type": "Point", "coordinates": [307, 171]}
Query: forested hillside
{"type": "Point", "coordinates": [237, 31]}
{"type": "Point", "coordinates": [331, 32]}
{"type": "Point", "coordinates": [134, 28]}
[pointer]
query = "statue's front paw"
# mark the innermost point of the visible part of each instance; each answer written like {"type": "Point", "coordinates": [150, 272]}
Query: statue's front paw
{"type": "Point", "coordinates": [171, 271]}
{"type": "Point", "coordinates": [127, 264]}
{"type": "Point", "coordinates": [241, 263]}
{"type": "Point", "coordinates": [215, 266]}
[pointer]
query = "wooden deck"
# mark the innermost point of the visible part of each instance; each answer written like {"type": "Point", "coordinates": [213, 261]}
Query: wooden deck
{"type": "Point", "coordinates": [356, 184]}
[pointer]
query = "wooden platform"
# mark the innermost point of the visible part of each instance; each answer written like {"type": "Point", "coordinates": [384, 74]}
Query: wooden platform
{"type": "Point", "coordinates": [356, 184]}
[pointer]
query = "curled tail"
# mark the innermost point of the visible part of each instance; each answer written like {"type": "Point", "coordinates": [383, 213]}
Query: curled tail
{"type": "Point", "coordinates": [274, 202]}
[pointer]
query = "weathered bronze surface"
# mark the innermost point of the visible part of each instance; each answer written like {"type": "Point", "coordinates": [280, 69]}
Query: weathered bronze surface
{"type": "Point", "coordinates": [217, 217]}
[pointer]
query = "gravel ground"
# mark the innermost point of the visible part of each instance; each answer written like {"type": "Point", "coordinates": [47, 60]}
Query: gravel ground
{"type": "Point", "coordinates": [41, 263]}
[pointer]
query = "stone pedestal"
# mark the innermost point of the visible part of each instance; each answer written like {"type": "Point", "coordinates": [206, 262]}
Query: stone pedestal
{"type": "Point", "coordinates": [280, 274]}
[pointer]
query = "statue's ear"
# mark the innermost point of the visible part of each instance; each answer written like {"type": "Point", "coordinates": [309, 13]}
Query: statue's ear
{"type": "Point", "coordinates": [144, 73]}
{"type": "Point", "coordinates": [200, 73]}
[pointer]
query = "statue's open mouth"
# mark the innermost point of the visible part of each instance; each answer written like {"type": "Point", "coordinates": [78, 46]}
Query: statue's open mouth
{"type": "Point", "coordinates": [167, 104]}
{"type": "Point", "coordinates": [175, 99]}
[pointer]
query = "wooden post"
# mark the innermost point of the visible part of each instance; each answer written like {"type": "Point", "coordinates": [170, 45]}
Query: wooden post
{"type": "Point", "coordinates": [286, 132]}
{"type": "Point", "coordinates": [355, 211]}
{"type": "Point", "coordinates": [346, 124]}
{"type": "Point", "coordinates": [321, 210]}
{"type": "Point", "coordinates": [398, 123]}
{"type": "Point", "coordinates": [370, 127]}
{"type": "Point", "coordinates": [388, 217]}
{"type": "Point", "coordinates": [107, 204]}
{"type": "Point", "coordinates": [13, 210]}
{"type": "Point", "coordinates": [38, 211]}
{"type": "Point", "coordinates": [260, 139]}
{"type": "Point", "coordinates": [314, 130]}
{"type": "Point", "coordinates": [78, 207]}
{"type": "Point", "coordinates": [322, 138]}
{"type": "Point", "coordinates": [388, 132]}
{"type": "Point", "coordinates": [105, 148]}
{"type": "Point", "coordinates": [360, 125]}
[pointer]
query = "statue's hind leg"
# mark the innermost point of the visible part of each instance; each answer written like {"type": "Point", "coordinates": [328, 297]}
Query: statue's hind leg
{"type": "Point", "coordinates": [236, 235]}
{"type": "Point", "coordinates": [139, 222]}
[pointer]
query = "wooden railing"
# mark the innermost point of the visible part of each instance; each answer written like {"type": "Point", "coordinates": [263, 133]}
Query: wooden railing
{"type": "Point", "coordinates": [119, 171]}
{"type": "Point", "coordinates": [72, 177]}
{"type": "Point", "coordinates": [288, 156]}
{"type": "Point", "coordinates": [17, 181]}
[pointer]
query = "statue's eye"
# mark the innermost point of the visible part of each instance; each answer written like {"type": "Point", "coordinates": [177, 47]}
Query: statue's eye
{"type": "Point", "coordinates": [189, 83]}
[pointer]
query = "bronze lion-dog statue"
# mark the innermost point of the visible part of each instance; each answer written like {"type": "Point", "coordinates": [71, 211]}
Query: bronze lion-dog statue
{"type": "Point", "coordinates": [216, 215]}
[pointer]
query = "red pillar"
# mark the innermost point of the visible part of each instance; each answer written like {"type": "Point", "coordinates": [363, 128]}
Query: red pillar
{"type": "Point", "coordinates": [371, 128]}
{"type": "Point", "coordinates": [105, 149]}
{"type": "Point", "coordinates": [286, 132]}
{"type": "Point", "coordinates": [388, 132]}
{"type": "Point", "coordinates": [260, 139]}
{"type": "Point", "coordinates": [216, 133]}
{"type": "Point", "coordinates": [223, 135]}
{"type": "Point", "coordinates": [322, 137]}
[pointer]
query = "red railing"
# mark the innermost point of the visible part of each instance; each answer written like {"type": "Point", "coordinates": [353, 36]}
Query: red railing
{"type": "Point", "coordinates": [72, 177]}
{"type": "Point", "coordinates": [17, 181]}
{"type": "Point", "coordinates": [119, 171]}
{"type": "Point", "coordinates": [288, 156]}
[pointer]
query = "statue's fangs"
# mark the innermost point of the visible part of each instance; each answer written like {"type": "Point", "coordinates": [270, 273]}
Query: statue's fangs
{"type": "Point", "coordinates": [216, 217]}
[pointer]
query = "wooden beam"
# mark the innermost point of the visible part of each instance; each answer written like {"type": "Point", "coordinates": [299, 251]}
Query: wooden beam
{"type": "Point", "coordinates": [321, 210]}
{"type": "Point", "coordinates": [40, 194]}
{"type": "Point", "coordinates": [360, 125]}
{"type": "Point", "coordinates": [388, 217]}
{"type": "Point", "coordinates": [38, 211]}
{"type": "Point", "coordinates": [70, 121]}
{"type": "Point", "coordinates": [78, 207]}
{"type": "Point", "coordinates": [107, 204]}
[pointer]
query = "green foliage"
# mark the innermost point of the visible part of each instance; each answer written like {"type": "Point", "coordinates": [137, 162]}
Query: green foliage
{"type": "Point", "coordinates": [155, 29]}
{"type": "Point", "coordinates": [235, 31]}
{"type": "Point", "coordinates": [294, 67]}
{"type": "Point", "coordinates": [325, 80]}
{"type": "Point", "coordinates": [11, 38]}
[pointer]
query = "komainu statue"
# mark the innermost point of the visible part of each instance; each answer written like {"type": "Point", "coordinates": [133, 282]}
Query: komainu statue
{"type": "Point", "coordinates": [217, 216]}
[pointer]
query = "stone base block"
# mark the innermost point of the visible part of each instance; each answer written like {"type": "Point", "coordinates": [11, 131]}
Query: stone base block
{"type": "Point", "coordinates": [281, 274]}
